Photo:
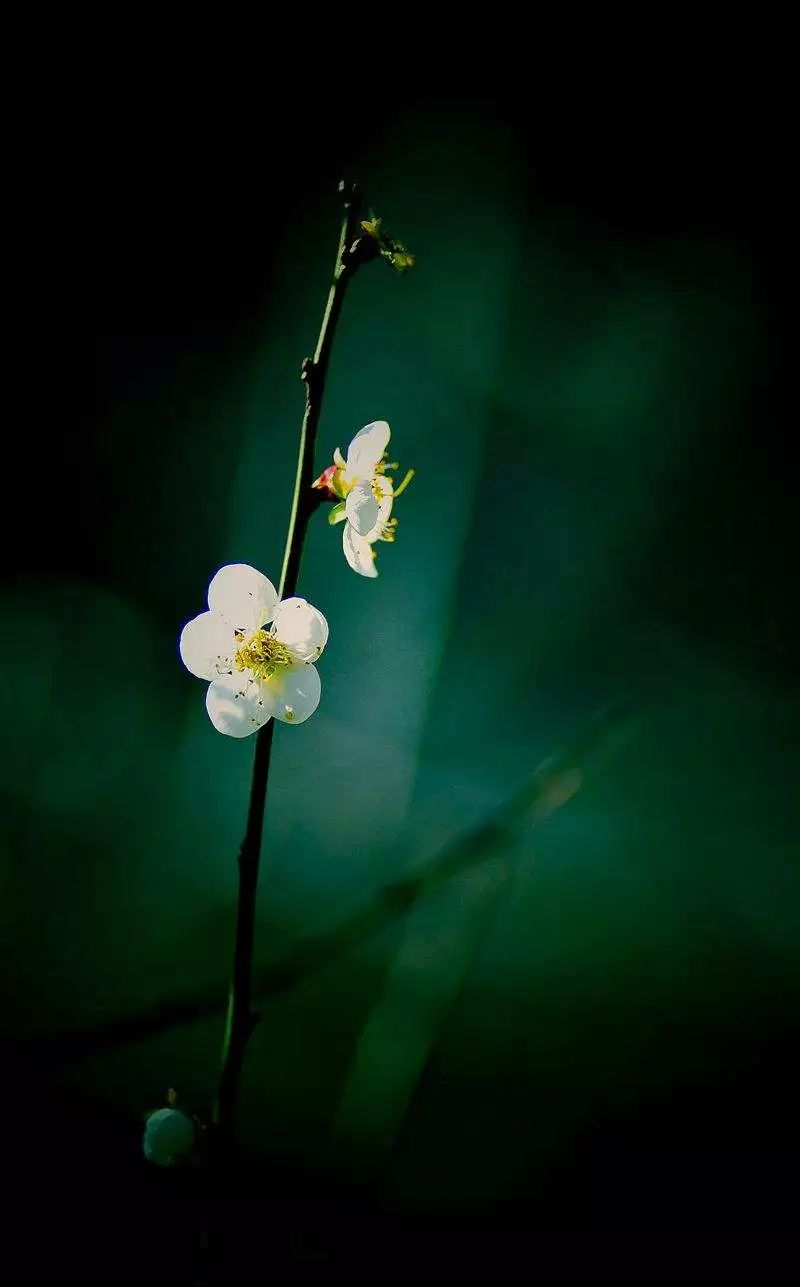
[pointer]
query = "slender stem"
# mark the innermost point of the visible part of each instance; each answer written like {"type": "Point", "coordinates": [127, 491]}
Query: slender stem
{"type": "Point", "coordinates": [241, 1020]}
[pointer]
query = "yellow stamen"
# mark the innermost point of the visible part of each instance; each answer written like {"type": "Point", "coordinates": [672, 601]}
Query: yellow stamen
{"type": "Point", "coordinates": [389, 530]}
{"type": "Point", "coordinates": [262, 655]}
{"type": "Point", "coordinates": [405, 482]}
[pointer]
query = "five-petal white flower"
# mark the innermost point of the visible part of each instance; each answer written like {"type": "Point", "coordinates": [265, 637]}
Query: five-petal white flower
{"type": "Point", "coordinates": [255, 673]}
{"type": "Point", "coordinates": [369, 494]}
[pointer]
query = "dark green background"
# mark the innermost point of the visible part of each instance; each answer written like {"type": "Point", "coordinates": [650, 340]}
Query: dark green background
{"type": "Point", "coordinates": [592, 1023]}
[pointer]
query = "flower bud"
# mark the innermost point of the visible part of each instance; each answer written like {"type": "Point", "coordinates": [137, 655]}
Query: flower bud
{"type": "Point", "coordinates": [327, 482]}
{"type": "Point", "coordinates": [168, 1136]}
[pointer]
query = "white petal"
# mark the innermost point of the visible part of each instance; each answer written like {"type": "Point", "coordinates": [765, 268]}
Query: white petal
{"type": "Point", "coordinates": [384, 510]}
{"type": "Point", "coordinates": [367, 448]}
{"type": "Point", "coordinates": [362, 508]}
{"type": "Point", "coordinates": [243, 596]}
{"type": "Point", "coordinates": [207, 645]}
{"type": "Point", "coordinates": [302, 628]}
{"type": "Point", "coordinates": [294, 693]}
{"type": "Point", "coordinates": [237, 704]}
{"type": "Point", "coordinates": [358, 552]}
{"type": "Point", "coordinates": [338, 459]}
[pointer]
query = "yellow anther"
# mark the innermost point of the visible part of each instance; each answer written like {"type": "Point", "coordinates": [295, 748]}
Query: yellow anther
{"type": "Point", "coordinates": [383, 465]}
{"type": "Point", "coordinates": [263, 655]}
{"type": "Point", "coordinates": [388, 530]}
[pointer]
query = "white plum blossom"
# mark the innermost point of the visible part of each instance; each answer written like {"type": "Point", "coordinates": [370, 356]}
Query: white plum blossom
{"type": "Point", "coordinates": [365, 495]}
{"type": "Point", "coordinates": [254, 672]}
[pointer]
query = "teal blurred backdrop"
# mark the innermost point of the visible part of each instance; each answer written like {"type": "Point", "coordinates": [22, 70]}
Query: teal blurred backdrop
{"type": "Point", "coordinates": [586, 1016]}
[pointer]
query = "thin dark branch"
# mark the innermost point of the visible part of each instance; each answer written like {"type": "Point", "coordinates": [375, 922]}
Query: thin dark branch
{"type": "Point", "coordinates": [241, 1020]}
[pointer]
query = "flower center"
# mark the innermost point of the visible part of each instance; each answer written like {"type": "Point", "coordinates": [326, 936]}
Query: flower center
{"type": "Point", "coordinates": [262, 654]}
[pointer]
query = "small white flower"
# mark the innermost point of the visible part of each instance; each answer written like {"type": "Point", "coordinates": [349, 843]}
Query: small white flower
{"type": "Point", "coordinates": [366, 495]}
{"type": "Point", "coordinates": [255, 673]}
